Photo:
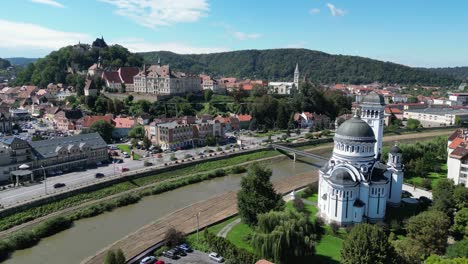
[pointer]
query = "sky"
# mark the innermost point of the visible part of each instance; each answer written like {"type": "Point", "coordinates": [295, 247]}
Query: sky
{"type": "Point", "coordinates": [423, 33]}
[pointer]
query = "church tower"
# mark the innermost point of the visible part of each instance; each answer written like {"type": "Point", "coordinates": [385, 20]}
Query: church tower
{"type": "Point", "coordinates": [296, 77]}
{"type": "Point", "coordinates": [395, 167]}
{"type": "Point", "coordinates": [372, 111]}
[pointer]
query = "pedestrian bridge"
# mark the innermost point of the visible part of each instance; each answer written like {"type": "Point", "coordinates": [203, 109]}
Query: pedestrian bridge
{"type": "Point", "coordinates": [296, 152]}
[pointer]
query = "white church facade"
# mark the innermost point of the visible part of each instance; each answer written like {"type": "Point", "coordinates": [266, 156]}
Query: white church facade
{"type": "Point", "coordinates": [285, 88]}
{"type": "Point", "coordinates": [354, 186]}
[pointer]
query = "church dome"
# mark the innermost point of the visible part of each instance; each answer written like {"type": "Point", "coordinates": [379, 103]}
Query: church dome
{"type": "Point", "coordinates": [373, 98]}
{"type": "Point", "coordinates": [341, 176]}
{"type": "Point", "coordinates": [395, 149]}
{"type": "Point", "coordinates": [355, 129]}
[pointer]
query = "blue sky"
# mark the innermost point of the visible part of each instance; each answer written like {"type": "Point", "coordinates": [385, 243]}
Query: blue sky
{"type": "Point", "coordinates": [428, 33]}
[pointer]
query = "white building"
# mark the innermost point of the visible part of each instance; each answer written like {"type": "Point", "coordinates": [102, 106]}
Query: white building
{"type": "Point", "coordinates": [286, 87]}
{"type": "Point", "coordinates": [457, 157]}
{"type": "Point", "coordinates": [354, 186]}
{"type": "Point", "coordinates": [162, 80]}
{"type": "Point", "coordinates": [460, 98]}
{"type": "Point", "coordinates": [373, 112]}
{"type": "Point", "coordinates": [437, 117]}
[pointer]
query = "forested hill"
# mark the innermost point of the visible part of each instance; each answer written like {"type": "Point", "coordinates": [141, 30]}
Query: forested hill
{"type": "Point", "coordinates": [457, 72]}
{"type": "Point", "coordinates": [278, 64]}
{"type": "Point", "coordinates": [20, 61]}
{"type": "Point", "coordinates": [4, 64]}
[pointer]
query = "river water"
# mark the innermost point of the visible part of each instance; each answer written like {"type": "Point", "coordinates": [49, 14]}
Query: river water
{"type": "Point", "coordinates": [88, 236]}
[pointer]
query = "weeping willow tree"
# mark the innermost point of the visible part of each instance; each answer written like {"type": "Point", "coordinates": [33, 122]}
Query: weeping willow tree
{"type": "Point", "coordinates": [285, 237]}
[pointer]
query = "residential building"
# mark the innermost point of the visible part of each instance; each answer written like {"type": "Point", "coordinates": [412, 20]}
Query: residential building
{"type": "Point", "coordinates": [6, 124]}
{"type": "Point", "coordinates": [437, 117]}
{"type": "Point", "coordinates": [120, 80]}
{"type": "Point", "coordinates": [162, 80]}
{"type": "Point", "coordinates": [64, 93]}
{"type": "Point", "coordinates": [244, 121]}
{"type": "Point", "coordinates": [460, 98]}
{"type": "Point", "coordinates": [87, 121]}
{"type": "Point", "coordinates": [122, 125]}
{"type": "Point", "coordinates": [392, 113]}
{"type": "Point", "coordinates": [307, 119]}
{"type": "Point", "coordinates": [457, 157]}
{"type": "Point", "coordinates": [354, 186]}
{"type": "Point", "coordinates": [90, 88]}
{"type": "Point", "coordinates": [65, 120]}
{"type": "Point", "coordinates": [208, 83]}
{"type": "Point", "coordinates": [58, 154]}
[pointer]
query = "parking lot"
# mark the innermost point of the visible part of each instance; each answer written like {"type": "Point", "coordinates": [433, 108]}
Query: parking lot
{"type": "Point", "coordinates": [196, 257]}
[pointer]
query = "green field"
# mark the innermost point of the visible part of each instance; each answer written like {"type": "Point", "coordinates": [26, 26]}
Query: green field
{"type": "Point", "coordinates": [126, 148]}
{"type": "Point", "coordinates": [328, 249]}
{"type": "Point", "coordinates": [433, 176]}
{"type": "Point", "coordinates": [240, 235]}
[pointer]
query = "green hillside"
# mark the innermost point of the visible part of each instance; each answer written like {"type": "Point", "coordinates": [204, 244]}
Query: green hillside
{"type": "Point", "coordinates": [278, 64]}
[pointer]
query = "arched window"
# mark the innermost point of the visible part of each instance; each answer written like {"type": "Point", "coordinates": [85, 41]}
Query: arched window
{"type": "Point", "coordinates": [357, 149]}
{"type": "Point", "coordinates": [347, 148]}
{"type": "Point", "coordinates": [352, 149]}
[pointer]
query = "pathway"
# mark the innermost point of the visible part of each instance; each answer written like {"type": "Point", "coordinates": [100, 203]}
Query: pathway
{"type": "Point", "coordinates": [223, 232]}
{"type": "Point", "coordinates": [211, 211]}
{"type": "Point", "coordinates": [417, 192]}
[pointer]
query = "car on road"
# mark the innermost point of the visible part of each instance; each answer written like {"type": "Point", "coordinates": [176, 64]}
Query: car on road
{"type": "Point", "coordinates": [124, 169]}
{"type": "Point", "coordinates": [59, 185]}
{"type": "Point", "coordinates": [99, 175]}
{"type": "Point", "coordinates": [118, 160]}
{"type": "Point", "coordinates": [148, 260]}
{"type": "Point", "coordinates": [126, 156]}
{"type": "Point", "coordinates": [185, 247]}
{"type": "Point", "coordinates": [170, 254]}
{"type": "Point", "coordinates": [160, 262]}
{"type": "Point", "coordinates": [216, 257]}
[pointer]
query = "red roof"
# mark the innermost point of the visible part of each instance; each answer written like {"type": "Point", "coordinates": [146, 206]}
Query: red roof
{"type": "Point", "coordinates": [127, 73]}
{"type": "Point", "coordinates": [456, 142]}
{"type": "Point", "coordinates": [123, 122]}
{"type": "Point", "coordinates": [111, 76]}
{"type": "Point", "coordinates": [245, 118]}
{"type": "Point", "coordinates": [247, 87]}
{"type": "Point", "coordinates": [89, 120]}
{"type": "Point", "coordinates": [262, 261]}
{"type": "Point", "coordinates": [392, 110]}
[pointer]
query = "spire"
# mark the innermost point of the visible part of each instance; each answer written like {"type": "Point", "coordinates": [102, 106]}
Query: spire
{"type": "Point", "coordinates": [297, 68]}
{"type": "Point", "coordinates": [159, 61]}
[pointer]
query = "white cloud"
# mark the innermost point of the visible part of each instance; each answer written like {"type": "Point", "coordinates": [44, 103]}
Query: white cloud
{"type": "Point", "coordinates": [245, 36]}
{"type": "Point", "coordinates": [314, 11]}
{"type": "Point", "coordinates": [17, 35]}
{"type": "Point", "coordinates": [140, 45]}
{"type": "Point", "coordinates": [155, 13]}
{"type": "Point", "coordinates": [335, 11]}
{"type": "Point", "coordinates": [49, 2]}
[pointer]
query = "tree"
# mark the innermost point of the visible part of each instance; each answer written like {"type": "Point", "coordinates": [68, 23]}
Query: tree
{"type": "Point", "coordinates": [104, 129]}
{"type": "Point", "coordinates": [430, 229]}
{"type": "Point", "coordinates": [285, 237]}
{"type": "Point", "coordinates": [257, 194]}
{"type": "Point", "coordinates": [409, 251]}
{"type": "Point", "coordinates": [208, 94]}
{"type": "Point", "coordinates": [458, 250]}
{"type": "Point", "coordinates": [413, 124]}
{"type": "Point", "coordinates": [434, 259]}
{"type": "Point", "coordinates": [120, 257]}
{"type": "Point", "coordinates": [460, 225]}
{"type": "Point", "coordinates": [442, 196]}
{"type": "Point", "coordinates": [173, 237]}
{"type": "Point", "coordinates": [110, 258]}
{"type": "Point", "coordinates": [366, 243]}
{"type": "Point", "coordinates": [137, 132]}
{"type": "Point", "coordinates": [146, 143]}
{"type": "Point", "coordinates": [460, 197]}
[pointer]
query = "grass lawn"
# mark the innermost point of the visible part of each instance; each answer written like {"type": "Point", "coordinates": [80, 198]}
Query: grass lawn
{"type": "Point", "coordinates": [329, 248]}
{"type": "Point", "coordinates": [239, 236]}
{"type": "Point", "coordinates": [313, 198]}
{"type": "Point", "coordinates": [126, 148]}
{"type": "Point", "coordinates": [433, 176]}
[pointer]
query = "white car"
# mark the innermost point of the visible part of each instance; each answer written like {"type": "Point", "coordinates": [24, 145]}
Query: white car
{"type": "Point", "coordinates": [216, 257]}
{"type": "Point", "coordinates": [147, 260]}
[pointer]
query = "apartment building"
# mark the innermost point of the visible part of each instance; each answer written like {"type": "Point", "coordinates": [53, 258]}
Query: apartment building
{"type": "Point", "coordinates": [457, 157]}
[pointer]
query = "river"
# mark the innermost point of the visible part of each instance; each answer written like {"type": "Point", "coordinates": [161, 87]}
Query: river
{"type": "Point", "coordinates": [90, 235]}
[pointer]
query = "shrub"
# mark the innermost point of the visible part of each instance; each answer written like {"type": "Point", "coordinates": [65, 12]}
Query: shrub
{"type": "Point", "coordinates": [22, 240]}
{"type": "Point", "coordinates": [173, 237]}
{"type": "Point", "coordinates": [426, 184]}
{"type": "Point", "coordinates": [53, 226]}
{"type": "Point", "coordinates": [220, 173]}
{"type": "Point", "coordinates": [238, 169]}
{"type": "Point", "coordinates": [159, 251]}
{"type": "Point", "coordinates": [311, 189]}
{"type": "Point", "coordinates": [228, 250]}
{"type": "Point", "coordinates": [4, 250]}
{"type": "Point", "coordinates": [298, 204]}
{"type": "Point", "coordinates": [334, 227]}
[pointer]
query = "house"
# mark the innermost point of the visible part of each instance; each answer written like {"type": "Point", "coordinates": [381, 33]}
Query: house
{"type": "Point", "coordinates": [87, 121]}
{"type": "Point", "coordinates": [307, 119]}
{"type": "Point", "coordinates": [65, 120]}
{"type": "Point", "coordinates": [208, 83]}
{"type": "Point", "coordinates": [392, 113]}
{"type": "Point", "coordinates": [90, 88]}
{"type": "Point", "coordinates": [126, 75]}
{"type": "Point", "coordinates": [244, 121]}
{"type": "Point", "coordinates": [112, 80]}
{"type": "Point", "coordinates": [230, 123]}
{"type": "Point", "coordinates": [122, 125]}
{"type": "Point", "coordinates": [26, 91]}
{"type": "Point", "coordinates": [143, 119]}
{"type": "Point", "coordinates": [54, 88]}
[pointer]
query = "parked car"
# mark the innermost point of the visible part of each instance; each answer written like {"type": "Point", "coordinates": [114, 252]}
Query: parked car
{"type": "Point", "coordinates": [124, 169]}
{"type": "Point", "coordinates": [185, 247]}
{"type": "Point", "coordinates": [216, 257]}
{"type": "Point", "coordinates": [59, 185]}
{"type": "Point", "coordinates": [170, 254]}
{"type": "Point", "coordinates": [148, 260]}
{"type": "Point", "coordinates": [118, 160]}
{"type": "Point", "coordinates": [126, 156]}
{"type": "Point", "coordinates": [99, 175]}
{"type": "Point", "coordinates": [179, 252]}
{"type": "Point", "coordinates": [160, 262]}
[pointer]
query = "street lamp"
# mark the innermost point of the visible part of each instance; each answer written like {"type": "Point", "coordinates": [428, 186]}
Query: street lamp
{"type": "Point", "coordinates": [198, 223]}
{"type": "Point", "coordinates": [114, 162]}
{"type": "Point", "coordinates": [45, 179]}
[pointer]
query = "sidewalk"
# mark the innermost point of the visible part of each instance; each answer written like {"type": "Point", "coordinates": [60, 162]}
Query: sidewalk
{"type": "Point", "coordinates": [417, 192]}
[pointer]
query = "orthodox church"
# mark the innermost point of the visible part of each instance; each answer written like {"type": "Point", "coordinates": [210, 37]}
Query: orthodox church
{"type": "Point", "coordinates": [354, 186]}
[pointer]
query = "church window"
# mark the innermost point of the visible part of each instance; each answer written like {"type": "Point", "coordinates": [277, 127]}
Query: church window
{"type": "Point", "coordinates": [352, 149]}
{"type": "Point", "coordinates": [357, 149]}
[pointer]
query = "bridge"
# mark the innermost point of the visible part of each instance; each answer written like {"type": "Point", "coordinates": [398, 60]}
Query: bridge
{"type": "Point", "coordinates": [296, 152]}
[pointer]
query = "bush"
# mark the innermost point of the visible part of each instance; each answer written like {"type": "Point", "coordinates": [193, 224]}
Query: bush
{"type": "Point", "coordinates": [5, 250]}
{"type": "Point", "coordinates": [220, 173]}
{"type": "Point", "coordinates": [173, 237]}
{"type": "Point", "coordinates": [311, 189]}
{"type": "Point", "coordinates": [159, 251]}
{"type": "Point", "coordinates": [52, 226]}
{"type": "Point", "coordinates": [22, 240]}
{"type": "Point", "coordinates": [426, 184]}
{"type": "Point", "coordinates": [298, 204]}
{"type": "Point", "coordinates": [334, 227]}
{"type": "Point", "coordinates": [238, 169]}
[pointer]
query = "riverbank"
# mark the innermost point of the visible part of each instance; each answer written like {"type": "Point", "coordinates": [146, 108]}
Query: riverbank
{"type": "Point", "coordinates": [212, 211]}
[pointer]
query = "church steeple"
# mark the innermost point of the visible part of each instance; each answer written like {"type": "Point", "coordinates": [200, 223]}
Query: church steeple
{"type": "Point", "coordinates": [296, 76]}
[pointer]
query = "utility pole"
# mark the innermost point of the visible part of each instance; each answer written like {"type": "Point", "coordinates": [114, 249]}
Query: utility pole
{"type": "Point", "coordinates": [198, 224]}
{"type": "Point", "coordinates": [45, 179]}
